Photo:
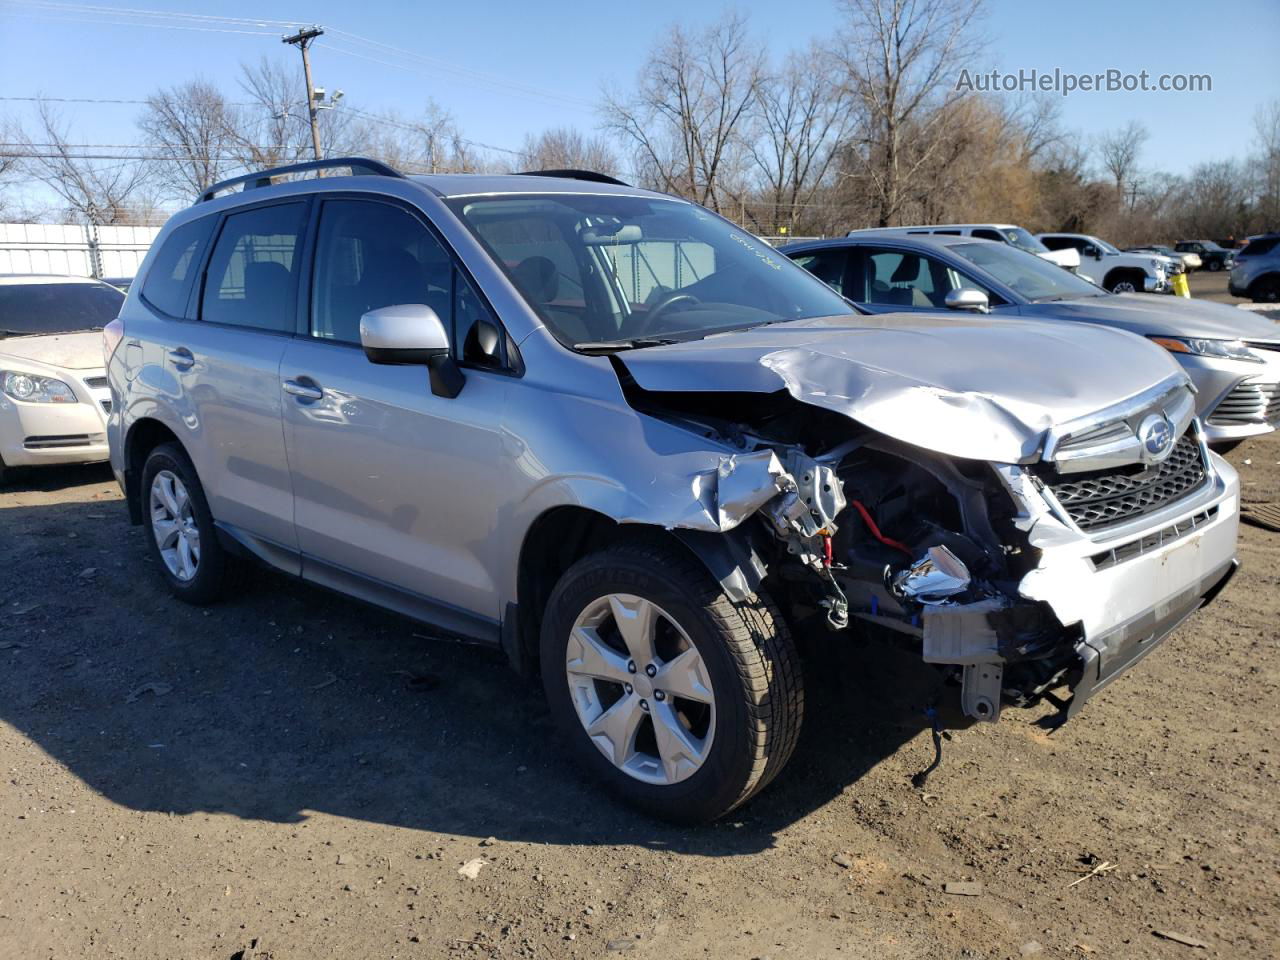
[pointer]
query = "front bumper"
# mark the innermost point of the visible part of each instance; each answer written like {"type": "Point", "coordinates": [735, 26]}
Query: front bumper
{"type": "Point", "coordinates": [1152, 284]}
{"type": "Point", "coordinates": [1105, 658]}
{"type": "Point", "coordinates": [1234, 397]}
{"type": "Point", "coordinates": [45, 434]}
{"type": "Point", "coordinates": [1096, 603]}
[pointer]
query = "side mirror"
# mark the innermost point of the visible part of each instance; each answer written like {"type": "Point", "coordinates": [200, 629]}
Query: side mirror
{"type": "Point", "coordinates": [411, 333]}
{"type": "Point", "coordinates": [1092, 251]}
{"type": "Point", "coordinates": [967, 298]}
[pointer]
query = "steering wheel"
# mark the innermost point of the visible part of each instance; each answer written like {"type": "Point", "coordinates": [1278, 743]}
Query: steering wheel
{"type": "Point", "coordinates": [664, 303]}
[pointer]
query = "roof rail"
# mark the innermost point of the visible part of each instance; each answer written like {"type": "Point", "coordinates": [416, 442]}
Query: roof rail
{"type": "Point", "coordinates": [589, 175]}
{"type": "Point", "coordinates": [359, 166]}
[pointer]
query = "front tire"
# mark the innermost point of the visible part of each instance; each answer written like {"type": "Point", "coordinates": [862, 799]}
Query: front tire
{"type": "Point", "coordinates": [686, 703]}
{"type": "Point", "coordinates": [1265, 290]}
{"type": "Point", "coordinates": [1215, 266]}
{"type": "Point", "coordinates": [1125, 283]}
{"type": "Point", "coordinates": [180, 532]}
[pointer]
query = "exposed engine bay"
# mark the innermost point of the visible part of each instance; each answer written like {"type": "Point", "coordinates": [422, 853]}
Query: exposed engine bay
{"type": "Point", "coordinates": [852, 527]}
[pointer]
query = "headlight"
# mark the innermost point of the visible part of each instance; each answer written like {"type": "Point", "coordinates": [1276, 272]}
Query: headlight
{"type": "Point", "coordinates": [32, 388]}
{"type": "Point", "coordinates": [1218, 349]}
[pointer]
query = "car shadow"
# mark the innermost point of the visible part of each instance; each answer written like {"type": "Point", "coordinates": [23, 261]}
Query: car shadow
{"type": "Point", "coordinates": [53, 479]}
{"type": "Point", "coordinates": [287, 699]}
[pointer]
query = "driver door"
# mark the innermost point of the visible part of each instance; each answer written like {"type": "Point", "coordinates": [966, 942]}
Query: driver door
{"type": "Point", "coordinates": [395, 487]}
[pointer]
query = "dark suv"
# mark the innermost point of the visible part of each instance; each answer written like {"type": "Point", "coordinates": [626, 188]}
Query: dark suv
{"type": "Point", "coordinates": [1212, 256]}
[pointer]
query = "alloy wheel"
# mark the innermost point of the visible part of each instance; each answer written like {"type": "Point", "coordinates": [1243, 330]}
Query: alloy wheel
{"type": "Point", "coordinates": [641, 689]}
{"type": "Point", "coordinates": [174, 525]}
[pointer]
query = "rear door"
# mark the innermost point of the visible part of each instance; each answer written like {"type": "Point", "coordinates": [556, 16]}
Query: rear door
{"type": "Point", "coordinates": [226, 367]}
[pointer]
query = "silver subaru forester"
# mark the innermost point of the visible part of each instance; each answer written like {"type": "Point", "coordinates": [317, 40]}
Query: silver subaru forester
{"type": "Point", "coordinates": [632, 446]}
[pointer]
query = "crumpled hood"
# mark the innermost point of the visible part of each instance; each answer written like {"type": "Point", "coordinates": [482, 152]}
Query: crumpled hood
{"type": "Point", "coordinates": [1150, 314]}
{"type": "Point", "coordinates": [71, 351]}
{"type": "Point", "coordinates": [974, 387]}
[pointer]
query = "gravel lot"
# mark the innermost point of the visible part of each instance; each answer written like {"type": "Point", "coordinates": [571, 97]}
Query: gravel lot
{"type": "Point", "coordinates": [290, 775]}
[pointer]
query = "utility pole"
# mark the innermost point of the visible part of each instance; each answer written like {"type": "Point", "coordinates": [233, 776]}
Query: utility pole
{"type": "Point", "coordinates": [303, 40]}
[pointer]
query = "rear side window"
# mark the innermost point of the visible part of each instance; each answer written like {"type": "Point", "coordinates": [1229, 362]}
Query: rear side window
{"type": "Point", "coordinates": [984, 234]}
{"type": "Point", "coordinates": [1258, 247]}
{"type": "Point", "coordinates": [168, 284]}
{"type": "Point", "coordinates": [827, 265]}
{"type": "Point", "coordinates": [252, 275]}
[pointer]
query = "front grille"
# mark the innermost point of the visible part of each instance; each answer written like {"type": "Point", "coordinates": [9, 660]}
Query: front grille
{"type": "Point", "coordinates": [1107, 497]}
{"type": "Point", "coordinates": [1249, 403]}
{"type": "Point", "coordinates": [106, 406]}
{"type": "Point", "coordinates": [95, 383]}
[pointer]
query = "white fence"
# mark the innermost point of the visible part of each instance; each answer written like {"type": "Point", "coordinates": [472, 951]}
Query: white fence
{"type": "Point", "coordinates": [82, 251]}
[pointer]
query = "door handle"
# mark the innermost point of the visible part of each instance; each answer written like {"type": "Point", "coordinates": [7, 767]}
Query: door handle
{"type": "Point", "coordinates": [304, 388]}
{"type": "Point", "coordinates": [182, 358]}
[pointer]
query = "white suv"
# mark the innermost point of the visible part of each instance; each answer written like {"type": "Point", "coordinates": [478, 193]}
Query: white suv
{"type": "Point", "coordinates": [1111, 268]}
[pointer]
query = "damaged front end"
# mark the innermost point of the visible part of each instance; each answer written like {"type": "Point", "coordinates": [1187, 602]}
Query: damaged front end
{"type": "Point", "coordinates": [1022, 582]}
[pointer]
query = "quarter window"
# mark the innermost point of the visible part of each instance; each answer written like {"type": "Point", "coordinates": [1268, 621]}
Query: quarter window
{"type": "Point", "coordinates": [252, 275]}
{"type": "Point", "coordinates": [168, 283]}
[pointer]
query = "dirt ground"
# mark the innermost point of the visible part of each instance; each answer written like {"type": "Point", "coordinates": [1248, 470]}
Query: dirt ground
{"type": "Point", "coordinates": [290, 775]}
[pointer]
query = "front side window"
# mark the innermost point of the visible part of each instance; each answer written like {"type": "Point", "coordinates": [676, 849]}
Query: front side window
{"type": "Point", "coordinates": [371, 255]}
{"type": "Point", "coordinates": [35, 309]}
{"type": "Point", "coordinates": [1033, 277]}
{"type": "Point", "coordinates": [600, 269]}
{"type": "Point", "coordinates": [252, 276]}
{"type": "Point", "coordinates": [897, 278]}
{"type": "Point", "coordinates": [168, 283]}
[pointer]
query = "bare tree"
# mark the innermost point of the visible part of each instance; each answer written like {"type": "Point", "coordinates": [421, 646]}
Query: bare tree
{"type": "Point", "coordinates": [194, 132]}
{"type": "Point", "coordinates": [1266, 124]}
{"type": "Point", "coordinates": [95, 191]}
{"type": "Point", "coordinates": [1119, 151]}
{"type": "Point", "coordinates": [899, 60]}
{"type": "Point", "coordinates": [800, 118]}
{"type": "Point", "coordinates": [431, 143]}
{"type": "Point", "coordinates": [687, 120]}
{"type": "Point", "coordinates": [275, 128]}
{"type": "Point", "coordinates": [564, 148]}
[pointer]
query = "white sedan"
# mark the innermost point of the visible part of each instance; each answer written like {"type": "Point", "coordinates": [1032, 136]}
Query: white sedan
{"type": "Point", "coordinates": [54, 397]}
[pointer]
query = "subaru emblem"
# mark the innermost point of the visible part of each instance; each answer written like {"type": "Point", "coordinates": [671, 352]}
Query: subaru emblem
{"type": "Point", "coordinates": [1156, 436]}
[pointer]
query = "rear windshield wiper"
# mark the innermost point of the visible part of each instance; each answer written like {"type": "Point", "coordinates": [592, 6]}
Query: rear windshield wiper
{"type": "Point", "coordinates": [632, 343]}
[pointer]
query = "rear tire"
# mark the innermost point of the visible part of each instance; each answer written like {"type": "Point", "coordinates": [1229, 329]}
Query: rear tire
{"type": "Point", "coordinates": [741, 726]}
{"type": "Point", "coordinates": [180, 531]}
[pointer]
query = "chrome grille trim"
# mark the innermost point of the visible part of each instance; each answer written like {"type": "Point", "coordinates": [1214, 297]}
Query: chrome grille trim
{"type": "Point", "coordinates": [1105, 498]}
{"type": "Point", "coordinates": [1248, 403]}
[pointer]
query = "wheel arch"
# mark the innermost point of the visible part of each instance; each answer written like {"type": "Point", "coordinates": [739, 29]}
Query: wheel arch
{"type": "Point", "coordinates": [562, 535]}
{"type": "Point", "coordinates": [1124, 273]}
{"type": "Point", "coordinates": [144, 436]}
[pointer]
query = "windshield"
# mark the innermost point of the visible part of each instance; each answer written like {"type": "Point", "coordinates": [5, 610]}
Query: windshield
{"type": "Point", "coordinates": [1031, 276]}
{"type": "Point", "coordinates": [600, 269]}
{"type": "Point", "coordinates": [42, 308]}
{"type": "Point", "coordinates": [1210, 245]}
{"type": "Point", "coordinates": [1016, 236]}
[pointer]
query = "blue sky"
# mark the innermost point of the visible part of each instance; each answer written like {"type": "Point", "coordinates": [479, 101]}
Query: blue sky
{"type": "Point", "coordinates": [566, 51]}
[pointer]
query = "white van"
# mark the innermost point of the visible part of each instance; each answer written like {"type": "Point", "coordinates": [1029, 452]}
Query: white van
{"type": "Point", "coordinates": [1008, 233]}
